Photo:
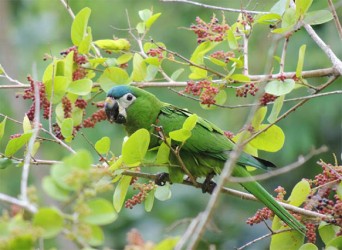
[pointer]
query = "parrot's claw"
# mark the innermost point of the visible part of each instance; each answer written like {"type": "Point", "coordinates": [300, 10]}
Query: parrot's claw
{"type": "Point", "coordinates": [162, 178]}
{"type": "Point", "coordinates": [208, 185]}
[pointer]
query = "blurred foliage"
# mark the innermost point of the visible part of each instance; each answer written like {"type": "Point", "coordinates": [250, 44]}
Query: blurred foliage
{"type": "Point", "coordinates": [36, 27]}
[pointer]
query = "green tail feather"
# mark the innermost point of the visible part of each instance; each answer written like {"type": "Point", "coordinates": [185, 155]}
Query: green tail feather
{"type": "Point", "coordinates": [261, 194]}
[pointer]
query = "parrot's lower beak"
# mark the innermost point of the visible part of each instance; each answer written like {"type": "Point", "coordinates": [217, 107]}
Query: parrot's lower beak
{"type": "Point", "coordinates": [112, 110]}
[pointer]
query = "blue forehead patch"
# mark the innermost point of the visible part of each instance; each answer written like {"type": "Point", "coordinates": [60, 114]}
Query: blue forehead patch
{"type": "Point", "coordinates": [119, 91]}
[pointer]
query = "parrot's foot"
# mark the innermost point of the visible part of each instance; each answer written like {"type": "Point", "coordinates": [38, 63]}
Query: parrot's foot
{"type": "Point", "coordinates": [208, 185]}
{"type": "Point", "coordinates": [162, 178]}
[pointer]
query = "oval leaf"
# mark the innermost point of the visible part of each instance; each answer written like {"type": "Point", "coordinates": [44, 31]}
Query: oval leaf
{"type": "Point", "coordinates": [17, 143]}
{"type": "Point", "coordinates": [278, 88]}
{"type": "Point", "coordinates": [50, 220]}
{"type": "Point", "coordinates": [271, 140]}
{"type": "Point", "coordinates": [299, 193]}
{"type": "Point", "coordinates": [2, 127]}
{"type": "Point", "coordinates": [163, 193]}
{"type": "Point", "coordinates": [116, 45]}
{"type": "Point", "coordinates": [101, 212]}
{"type": "Point", "coordinates": [120, 192]}
{"type": "Point", "coordinates": [54, 190]}
{"type": "Point", "coordinates": [79, 26]}
{"type": "Point", "coordinates": [103, 145]}
{"type": "Point", "coordinates": [135, 148]}
{"type": "Point", "coordinates": [80, 87]}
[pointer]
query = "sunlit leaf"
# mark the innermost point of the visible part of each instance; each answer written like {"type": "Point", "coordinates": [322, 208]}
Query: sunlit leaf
{"type": "Point", "coordinates": [240, 78]}
{"type": "Point", "coordinates": [27, 127]}
{"type": "Point", "coordinates": [190, 122]}
{"type": "Point", "coordinates": [139, 68]}
{"type": "Point", "coordinates": [101, 212]}
{"type": "Point", "coordinates": [15, 144]}
{"type": "Point", "coordinates": [120, 192]}
{"type": "Point", "coordinates": [135, 148]}
{"type": "Point", "coordinates": [217, 62]}
{"type": "Point", "coordinates": [115, 45]}
{"type": "Point", "coordinates": [111, 76]}
{"type": "Point", "coordinates": [339, 190]}
{"type": "Point", "coordinates": [259, 117]}
{"type": "Point", "coordinates": [149, 200]}
{"type": "Point", "coordinates": [50, 220]}
{"type": "Point", "coordinates": [79, 26]}
{"type": "Point", "coordinates": [233, 44]}
{"type": "Point", "coordinates": [2, 127]}
{"type": "Point", "coordinates": [81, 87]}
{"type": "Point", "coordinates": [96, 236]}
{"type": "Point", "coordinates": [67, 128]}
{"type": "Point", "coordinates": [180, 135]}
{"type": "Point", "coordinates": [85, 45]}
{"type": "Point", "coordinates": [271, 18]}
{"type": "Point", "coordinates": [2, 71]}
{"type": "Point", "coordinates": [327, 232]}
{"type": "Point", "coordinates": [124, 58]}
{"type": "Point", "coordinates": [300, 62]}
{"type": "Point", "coordinates": [60, 85]}
{"type": "Point", "coordinates": [167, 244]}
{"type": "Point", "coordinates": [278, 104]}
{"type": "Point", "coordinates": [272, 140]}
{"type": "Point", "coordinates": [308, 246]}
{"type": "Point", "coordinates": [299, 193]}
{"type": "Point", "coordinates": [151, 20]}
{"type": "Point", "coordinates": [302, 7]}
{"type": "Point", "coordinates": [103, 145]}
{"type": "Point", "coordinates": [336, 242]}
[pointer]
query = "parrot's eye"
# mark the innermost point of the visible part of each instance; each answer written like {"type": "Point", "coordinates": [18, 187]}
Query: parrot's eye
{"type": "Point", "coordinates": [129, 97]}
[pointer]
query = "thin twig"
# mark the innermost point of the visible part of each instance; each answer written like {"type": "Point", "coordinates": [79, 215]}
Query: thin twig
{"type": "Point", "coordinates": [282, 170]}
{"type": "Point", "coordinates": [23, 86]}
{"type": "Point", "coordinates": [336, 20]}
{"type": "Point", "coordinates": [92, 145]}
{"type": "Point", "coordinates": [21, 203]}
{"type": "Point", "coordinates": [283, 56]}
{"type": "Point", "coordinates": [216, 7]}
{"type": "Point", "coordinates": [67, 7]}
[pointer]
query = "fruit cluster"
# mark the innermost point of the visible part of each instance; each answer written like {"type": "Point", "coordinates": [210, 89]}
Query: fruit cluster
{"type": "Point", "coordinates": [43, 101]}
{"type": "Point", "coordinates": [221, 55]}
{"type": "Point", "coordinates": [79, 72]}
{"type": "Point", "coordinates": [157, 52]}
{"type": "Point", "coordinates": [204, 89]}
{"type": "Point", "coordinates": [248, 88]}
{"type": "Point", "coordinates": [144, 189]}
{"type": "Point", "coordinates": [266, 98]}
{"type": "Point", "coordinates": [211, 31]}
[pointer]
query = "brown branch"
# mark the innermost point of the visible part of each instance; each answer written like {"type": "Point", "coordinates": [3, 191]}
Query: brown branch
{"type": "Point", "coordinates": [336, 20]}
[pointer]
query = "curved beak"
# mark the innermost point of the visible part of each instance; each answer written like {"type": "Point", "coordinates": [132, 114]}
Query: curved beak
{"type": "Point", "coordinates": [112, 110]}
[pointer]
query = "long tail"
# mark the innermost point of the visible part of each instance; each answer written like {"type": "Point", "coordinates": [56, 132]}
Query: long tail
{"type": "Point", "coordinates": [261, 194]}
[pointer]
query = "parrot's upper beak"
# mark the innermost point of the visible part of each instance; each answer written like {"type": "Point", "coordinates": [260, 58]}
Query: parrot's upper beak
{"type": "Point", "coordinates": [112, 110]}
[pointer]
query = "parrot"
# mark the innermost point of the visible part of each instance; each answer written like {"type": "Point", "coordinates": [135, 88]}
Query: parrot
{"type": "Point", "coordinates": [204, 153]}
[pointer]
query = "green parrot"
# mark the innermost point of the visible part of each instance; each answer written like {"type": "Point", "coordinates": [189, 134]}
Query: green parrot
{"type": "Point", "coordinates": [204, 153]}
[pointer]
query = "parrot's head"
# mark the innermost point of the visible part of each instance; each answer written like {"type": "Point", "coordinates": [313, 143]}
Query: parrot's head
{"type": "Point", "coordinates": [119, 99]}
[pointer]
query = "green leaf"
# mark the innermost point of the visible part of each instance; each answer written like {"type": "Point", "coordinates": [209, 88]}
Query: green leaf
{"type": "Point", "coordinates": [54, 190]}
{"type": "Point", "coordinates": [67, 128]}
{"type": "Point", "coordinates": [141, 27]}
{"type": "Point", "coordinates": [60, 85]}
{"type": "Point", "coordinates": [26, 124]}
{"type": "Point", "coordinates": [336, 242]}
{"type": "Point", "coordinates": [289, 19]}
{"type": "Point", "coordinates": [17, 143]}
{"type": "Point", "coordinates": [240, 78]}
{"type": "Point", "coordinates": [81, 160]}
{"type": "Point", "coordinates": [233, 44]}
{"type": "Point", "coordinates": [120, 192]}
{"type": "Point", "coordinates": [77, 116]}
{"type": "Point", "coordinates": [302, 7]}
{"type": "Point", "coordinates": [101, 212]}
{"type": "Point", "coordinates": [80, 87]}
{"type": "Point", "coordinates": [272, 140]}
{"type": "Point", "coordinates": [308, 246]}
{"type": "Point", "coordinates": [180, 135]}
{"type": "Point", "coordinates": [139, 68]}
{"type": "Point", "coordinates": [217, 62]}
{"type": "Point", "coordinates": [2, 71]}
{"type": "Point", "coordinates": [300, 62]}
{"type": "Point", "coordinates": [2, 127]}
{"type": "Point", "coordinates": [115, 45]}
{"type": "Point", "coordinates": [79, 26]}
{"type": "Point", "coordinates": [124, 58]}
{"type": "Point", "coordinates": [163, 154]}
{"type": "Point", "coordinates": [287, 240]}
{"type": "Point", "coordinates": [113, 75]}
{"type": "Point", "coordinates": [163, 193]}
{"type": "Point", "coordinates": [167, 244]}
{"type": "Point", "coordinates": [50, 220]}
{"type": "Point", "coordinates": [317, 17]}
{"type": "Point", "coordinates": [278, 104]}
{"type": "Point", "coordinates": [279, 7]}
{"type": "Point", "coordinates": [103, 145]}
{"type": "Point", "coordinates": [135, 148]}
{"type": "Point", "coordinates": [220, 99]}
{"type": "Point", "coordinates": [149, 200]}
{"type": "Point", "coordinates": [175, 75]}
{"type": "Point", "coordinates": [197, 57]}
{"type": "Point", "coordinates": [278, 88]}
{"type": "Point", "coordinates": [151, 72]}
{"type": "Point", "coordinates": [299, 193]}
{"type": "Point", "coordinates": [327, 232]}
{"type": "Point", "coordinates": [271, 18]}
{"type": "Point", "coordinates": [85, 45]}
{"type": "Point", "coordinates": [5, 163]}
{"type": "Point", "coordinates": [151, 20]}
{"type": "Point", "coordinates": [145, 14]}
{"type": "Point", "coordinates": [339, 190]}
{"type": "Point", "coordinates": [259, 117]}
{"type": "Point", "coordinates": [96, 236]}
{"type": "Point", "coordinates": [190, 122]}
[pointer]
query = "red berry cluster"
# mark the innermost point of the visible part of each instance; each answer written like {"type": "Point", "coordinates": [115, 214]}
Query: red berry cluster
{"type": "Point", "coordinates": [79, 72]}
{"type": "Point", "coordinates": [212, 31]}
{"type": "Point", "coordinates": [247, 19]}
{"type": "Point", "coordinates": [144, 189]}
{"type": "Point", "coordinates": [57, 131]}
{"type": "Point", "coordinates": [248, 88]}
{"type": "Point", "coordinates": [260, 216]}
{"type": "Point", "coordinates": [43, 101]}
{"type": "Point", "coordinates": [266, 98]}
{"type": "Point", "coordinates": [135, 240]}
{"type": "Point", "coordinates": [311, 232]}
{"type": "Point", "coordinates": [204, 89]}
{"type": "Point", "coordinates": [80, 103]}
{"type": "Point", "coordinates": [158, 52]}
{"type": "Point", "coordinates": [67, 107]}
{"type": "Point", "coordinates": [96, 117]}
{"type": "Point", "coordinates": [224, 56]}
{"type": "Point", "coordinates": [229, 134]}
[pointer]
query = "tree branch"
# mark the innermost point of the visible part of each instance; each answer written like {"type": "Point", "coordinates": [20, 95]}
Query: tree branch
{"type": "Point", "coordinates": [336, 20]}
